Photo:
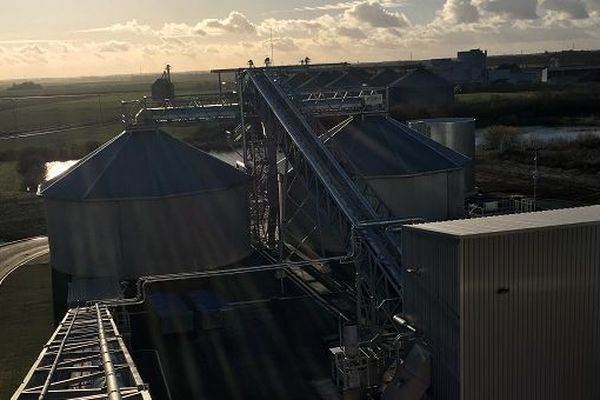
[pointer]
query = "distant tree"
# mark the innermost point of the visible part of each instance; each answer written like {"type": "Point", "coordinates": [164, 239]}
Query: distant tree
{"type": "Point", "coordinates": [250, 64]}
{"type": "Point", "coordinates": [267, 62]}
{"type": "Point", "coordinates": [307, 60]}
{"type": "Point", "coordinates": [31, 165]}
{"type": "Point", "coordinates": [29, 85]}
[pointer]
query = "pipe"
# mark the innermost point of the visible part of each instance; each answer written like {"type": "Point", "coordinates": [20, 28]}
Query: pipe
{"type": "Point", "coordinates": [142, 281]}
{"type": "Point", "coordinates": [112, 385]}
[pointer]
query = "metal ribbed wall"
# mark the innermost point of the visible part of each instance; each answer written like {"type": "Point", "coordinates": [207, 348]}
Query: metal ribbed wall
{"type": "Point", "coordinates": [530, 315]}
{"type": "Point", "coordinates": [431, 303]}
{"type": "Point", "coordinates": [528, 310]}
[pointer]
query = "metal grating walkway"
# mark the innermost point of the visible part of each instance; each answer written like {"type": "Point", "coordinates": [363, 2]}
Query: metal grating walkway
{"type": "Point", "coordinates": [85, 358]}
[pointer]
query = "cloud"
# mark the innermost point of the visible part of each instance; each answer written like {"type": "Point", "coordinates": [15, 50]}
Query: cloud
{"type": "Point", "coordinates": [351, 32]}
{"type": "Point", "coordinates": [113, 46]}
{"type": "Point", "coordinates": [460, 12]}
{"type": "Point", "coordinates": [518, 9]}
{"type": "Point", "coordinates": [128, 27]}
{"type": "Point", "coordinates": [375, 15]}
{"type": "Point", "coordinates": [572, 8]}
{"type": "Point", "coordinates": [235, 22]}
{"type": "Point", "coordinates": [344, 5]}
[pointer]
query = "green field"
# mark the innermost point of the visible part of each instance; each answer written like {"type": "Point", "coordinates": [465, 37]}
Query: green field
{"type": "Point", "coordinates": [26, 318]}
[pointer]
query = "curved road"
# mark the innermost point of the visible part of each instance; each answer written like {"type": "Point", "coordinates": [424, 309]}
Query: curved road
{"type": "Point", "coordinates": [15, 254]}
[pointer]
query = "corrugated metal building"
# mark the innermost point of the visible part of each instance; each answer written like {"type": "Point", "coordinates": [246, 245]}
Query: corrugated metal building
{"type": "Point", "coordinates": [510, 305]}
{"type": "Point", "coordinates": [146, 203]}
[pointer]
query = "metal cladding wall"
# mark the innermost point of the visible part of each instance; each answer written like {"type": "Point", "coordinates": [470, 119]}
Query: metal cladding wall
{"type": "Point", "coordinates": [457, 134]}
{"type": "Point", "coordinates": [510, 312]}
{"type": "Point", "coordinates": [128, 239]}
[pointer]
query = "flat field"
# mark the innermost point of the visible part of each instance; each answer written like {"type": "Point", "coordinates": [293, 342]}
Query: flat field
{"type": "Point", "coordinates": [26, 318]}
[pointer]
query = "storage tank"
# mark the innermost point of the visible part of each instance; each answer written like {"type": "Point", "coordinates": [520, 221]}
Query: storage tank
{"type": "Point", "coordinates": [146, 203]}
{"type": "Point", "coordinates": [457, 134]}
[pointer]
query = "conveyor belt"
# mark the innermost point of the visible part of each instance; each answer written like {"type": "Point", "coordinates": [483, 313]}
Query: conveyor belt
{"type": "Point", "coordinates": [335, 180]}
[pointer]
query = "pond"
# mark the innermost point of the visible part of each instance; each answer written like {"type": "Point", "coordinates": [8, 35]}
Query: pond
{"type": "Point", "coordinates": [546, 134]}
{"type": "Point", "coordinates": [55, 168]}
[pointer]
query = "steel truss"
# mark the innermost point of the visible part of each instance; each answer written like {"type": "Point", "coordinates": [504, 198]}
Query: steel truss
{"type": "Point", "coordinates": [376, 255]}
{"type": "Point", "coordinates": [344, 101]}
{"type": "Point", "coordinates": [85, 358]}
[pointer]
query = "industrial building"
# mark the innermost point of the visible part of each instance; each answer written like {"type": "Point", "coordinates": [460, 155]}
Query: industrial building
{"type": "Point", "coordinates": [331, 262]}
{"type": "Point", "coordinates": [508, 304]}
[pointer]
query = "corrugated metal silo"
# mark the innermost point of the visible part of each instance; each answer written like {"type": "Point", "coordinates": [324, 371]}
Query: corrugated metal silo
{"type": "Point", "coordinates": [457, 134]}
{"type": "Point", "coordinates": [146, 203]}
{"type": "Point", "coordinates": [413, 175]}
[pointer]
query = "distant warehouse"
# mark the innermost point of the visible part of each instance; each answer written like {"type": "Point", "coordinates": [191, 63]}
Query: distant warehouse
{"type": "Point", "coordinates": [509, 305]}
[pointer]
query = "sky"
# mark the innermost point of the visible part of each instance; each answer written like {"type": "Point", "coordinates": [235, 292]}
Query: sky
{"type": "Point", "coordinates": [61, 38]}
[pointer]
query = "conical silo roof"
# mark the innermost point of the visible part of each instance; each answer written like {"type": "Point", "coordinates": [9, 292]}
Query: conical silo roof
{"type": "Point", "coordinates": [382, 146]}
{"type": "Point", "coordinates": [142, 164]}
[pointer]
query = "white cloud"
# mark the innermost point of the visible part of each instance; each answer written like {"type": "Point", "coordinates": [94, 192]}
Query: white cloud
{"type": "Point", "coordinates": [235, 22]}
{"type": "Point", "coordinates": [460, 12]}
{"type": "Point", "coordinates": [375, 15]}
{"type": "Point", "coordinates": [113, 46]}
{"type": "Point", "coordinates": [128, 27]}
{"type": "Point", "coordinates": [351, 32]}
{"type": "Point", "coordinates": [518, 9]}
{"type": "Point", "coordinates": [572, 8]}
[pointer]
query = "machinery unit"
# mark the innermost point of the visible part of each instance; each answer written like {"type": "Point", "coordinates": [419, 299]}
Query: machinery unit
{"type": "Point", "coordinates": [146, 203]}
{"type": "Point", "coordinates": [457, 134]}
{"type": "Point", "coordinates": [509, 305]}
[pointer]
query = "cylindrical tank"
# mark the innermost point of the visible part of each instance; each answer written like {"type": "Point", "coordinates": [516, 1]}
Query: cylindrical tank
{"type": "Point", "coordinates": [146, 203]}
{"type": "Point", "coordinates": [457, 134]}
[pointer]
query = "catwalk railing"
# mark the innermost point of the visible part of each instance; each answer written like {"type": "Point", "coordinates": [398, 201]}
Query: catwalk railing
{"type": "Point", "coordinates": [85, 358]}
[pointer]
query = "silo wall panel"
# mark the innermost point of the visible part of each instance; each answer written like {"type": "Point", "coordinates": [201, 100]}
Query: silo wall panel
{"type": "Point", "coordinates": [434, 196]}
{"type": "Point", "coordinates": [302, 214]}
{"type": "Point", "coordinates": [128, 239]}
{"type": "Point", "coordinates": [456, 194]}
{"type": "Point", "coordinates": [431, 302]}
{"type": "Point", "coordinates": [83, 237]}
{"type": "Point", "coordinates": [530, 314]}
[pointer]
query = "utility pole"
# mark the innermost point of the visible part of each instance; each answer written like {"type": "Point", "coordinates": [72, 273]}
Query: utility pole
{"type": "Point", "coordinates": [535, 178]}
{"type": "Point", "coordinates": [272, 59]}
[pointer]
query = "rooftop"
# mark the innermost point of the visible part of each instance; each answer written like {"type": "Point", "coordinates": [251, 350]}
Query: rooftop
{"type": "Point", "coordinates": [514, 222]}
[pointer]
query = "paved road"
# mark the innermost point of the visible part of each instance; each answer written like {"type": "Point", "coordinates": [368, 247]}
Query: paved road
{"type": "Point", "coordinates": [15, 254]}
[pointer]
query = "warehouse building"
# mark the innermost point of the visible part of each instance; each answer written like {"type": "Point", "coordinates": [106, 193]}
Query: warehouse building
{"type": "Point", "coordinates": [509, 305]}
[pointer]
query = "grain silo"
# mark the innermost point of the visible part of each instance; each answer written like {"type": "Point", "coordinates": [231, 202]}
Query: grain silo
{"type": "Point", "coordinates": [146, 203]}
{"type": "Point", "coordinates": [414, 177]}
{"type": "Point", "coordinates": [411, 174]}
{"type": "Point", "coordinates": [457, 134]}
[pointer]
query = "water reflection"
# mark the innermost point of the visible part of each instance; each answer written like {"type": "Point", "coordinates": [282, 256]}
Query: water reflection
{"type": "Point", "coordinates": [55, 168]}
